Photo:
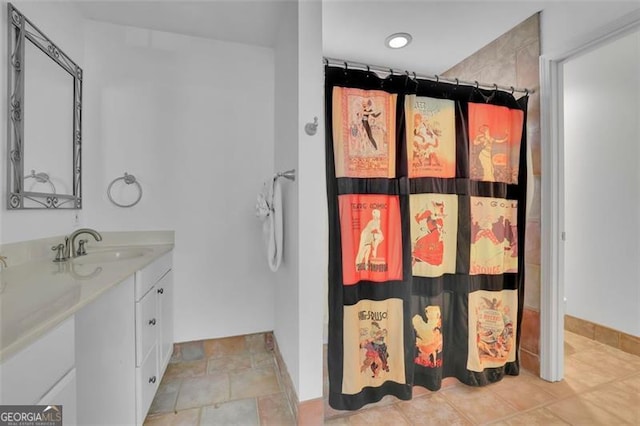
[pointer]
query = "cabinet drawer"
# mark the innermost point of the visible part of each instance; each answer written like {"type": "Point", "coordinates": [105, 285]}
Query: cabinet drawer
{"type": "Point", "coordinates": [33, 371]}
{"type": "Point", "coordinates": [146, 326]}
{"type": "Point", "coordinates": [147, 381]}
{"type": "Point", "coordinates": [148, 276]}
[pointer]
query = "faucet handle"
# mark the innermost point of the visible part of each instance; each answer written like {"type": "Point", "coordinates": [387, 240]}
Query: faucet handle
{"type": "Point", "coordinates": [81, 251]}
{"type": "Point", "coordinates": [59, 249]}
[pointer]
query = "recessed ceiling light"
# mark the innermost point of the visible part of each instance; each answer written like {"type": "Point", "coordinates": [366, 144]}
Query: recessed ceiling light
{"type": "Point", "coordinates": [398, 40]}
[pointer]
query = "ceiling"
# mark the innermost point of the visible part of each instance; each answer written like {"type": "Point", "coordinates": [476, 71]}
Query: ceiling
{"type": "Point", "coordinates": [444, 31]}
{"type": "Point", "coordinates": [242, 21]}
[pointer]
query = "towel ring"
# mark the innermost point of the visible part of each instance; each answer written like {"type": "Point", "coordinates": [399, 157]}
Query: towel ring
{"type": "Point", "coordinates": [41, 177]}
{"type": "Point", "coordinates": [128, 179]}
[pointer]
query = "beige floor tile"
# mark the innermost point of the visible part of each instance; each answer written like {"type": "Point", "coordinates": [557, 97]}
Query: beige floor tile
{"type": "Point", "coordinates": [381, 416]}
{"type": "Point", "coordinates": [254, 382]}
{"type": "Point", "coordinates": [180, 418]}
{"type": "Point", "coordinates": [539, 416]}
{"type": "Point", "coordinates": [561, 389]}
{"type": "Point", "coordinates": [341, 421]}
{"type": "Point", "coordinates": [480, 405]}
{"type": "Point", "coordinates": [431, 409]}
{"type": "Point", "coordinates": [274, 410]}
{"type": "Point", "coordinates": [224, 347]}
{"type": "Point", "coordinates": [181, 370]}
{"type": "Point", "coordinates": [262, 359]}
{"type": "Point", "coordinates": [624, 357]}
{"type": "Point", "coordinates": [578, 342]}
{"type": "Point", "coordinates": [578, 410]}
{"type": "Point", "coordinates": [202, 391]}
{"type": "Point", "coordinates": [601, 359]}
{"type": "Point", "coordinates": [584, 376]}
{"type": "Point", "coordinates": [255, 342]}
{"type": "Point", "coordinates": [229, 363]}
{"type": "Point", "coordinates": [166, 395]}
{"type": "Point", "coordinates": [242, 412]}
{"type": "Point", "coordinates": [522, 394]}
{"type": "Point", "coordinates": [617, 400]}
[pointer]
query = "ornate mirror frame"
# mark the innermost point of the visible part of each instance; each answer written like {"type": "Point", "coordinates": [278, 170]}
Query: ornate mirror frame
{"type": "Point", "coordinates": [21, 30]}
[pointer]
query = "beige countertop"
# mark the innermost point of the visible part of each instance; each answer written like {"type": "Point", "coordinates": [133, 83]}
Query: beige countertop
{"type": "Point", "coordinates": [38, 295]}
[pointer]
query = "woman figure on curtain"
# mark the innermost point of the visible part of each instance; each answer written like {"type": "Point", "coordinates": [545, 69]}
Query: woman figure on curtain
{"type": "Point", "coordinates": [367, 110]}
{"type": "Point", "coordinates": [485, 139]}
{"type": "Point", "coordinates": [370, 238]}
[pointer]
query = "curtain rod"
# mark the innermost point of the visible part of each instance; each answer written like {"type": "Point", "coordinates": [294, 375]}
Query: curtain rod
{"type": "Point", "coordinates": [436, 77]}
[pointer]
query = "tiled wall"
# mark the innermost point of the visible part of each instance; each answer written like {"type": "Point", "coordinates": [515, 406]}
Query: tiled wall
{"type": "Point", "coordinates": [512, 60]}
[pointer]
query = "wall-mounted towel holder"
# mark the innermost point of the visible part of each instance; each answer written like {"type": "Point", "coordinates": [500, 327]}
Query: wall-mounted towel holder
{"type": "Point", "coordinates": [289, 174]}
{"type": "Point", "coordinates": [41, 177]}
{"type": "Point", "coordinates": [129, 180]}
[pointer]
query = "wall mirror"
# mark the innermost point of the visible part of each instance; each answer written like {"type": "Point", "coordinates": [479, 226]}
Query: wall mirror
{"type": "Point", "coordinates": [45, 121]}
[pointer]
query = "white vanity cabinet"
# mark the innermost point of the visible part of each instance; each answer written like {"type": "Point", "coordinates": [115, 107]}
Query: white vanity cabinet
{"type": "Point", "coordinates": [122, 340]}
{"type": "Point", "coordinates": [43, 373]}
{"type": "Point", "coordinates": [154, 330]}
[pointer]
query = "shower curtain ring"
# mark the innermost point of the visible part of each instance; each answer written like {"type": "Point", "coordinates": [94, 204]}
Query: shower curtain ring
{"type": "Point", "coordinates": [526, 92]}
{"type": "Point", "coordinates": [346, 67]}
{"type": "Point", "coordinates": [368, 69]}
{"type": "Point", "coordinates": [437, 78]}
{"type": "Point", "coordinates": [477, 84]}
{"type": "Point", "coordinates": [415, 78]}
{"type": "Point", "coordinates": [512, 89]}
{"type": "Point", "coordinates": [495, 86]}
{"type": "Point", "coordinates": [457, 82]}
{"type": "Point", "coordinates": [391, 72]}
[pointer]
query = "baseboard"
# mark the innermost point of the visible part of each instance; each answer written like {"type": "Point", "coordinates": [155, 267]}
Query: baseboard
{"type": "Point", "coordinates": [608, 336]}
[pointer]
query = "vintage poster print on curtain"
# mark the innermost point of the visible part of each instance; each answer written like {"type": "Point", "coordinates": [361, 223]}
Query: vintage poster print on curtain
{"type": "Point", "coordinates": [364, 129]}
{"type": "Point", "coordinates": [429, 340]}
{"type": "Point", "coordinates": [371, 237]}
{"type": "Point", "coordinates": [495, 133]}
{"type": "Point", "coordinates": [492, 328]}
{"type": "Point", "coordinates": [494, 236]}
{"type": "Point", "coordinates": [431, 137]}
{"type": "Point", "coordinates": [434, 229]}
{"type": "Point", "coordinates": [374, 344]}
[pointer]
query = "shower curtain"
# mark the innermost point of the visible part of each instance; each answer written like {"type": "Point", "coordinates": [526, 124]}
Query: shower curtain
{"type": "Point", "coordinates": [426, 185]}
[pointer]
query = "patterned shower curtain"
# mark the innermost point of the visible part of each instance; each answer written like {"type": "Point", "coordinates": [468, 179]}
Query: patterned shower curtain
{"type": "Point", "coordinates": [426, 186]}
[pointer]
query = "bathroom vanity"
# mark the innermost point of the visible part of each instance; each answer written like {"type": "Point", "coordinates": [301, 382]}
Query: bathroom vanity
{"type": "Point", "coordinates": [94, 333]}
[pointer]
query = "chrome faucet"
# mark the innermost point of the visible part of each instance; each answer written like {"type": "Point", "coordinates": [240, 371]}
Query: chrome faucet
{"type": "Point", "coordinates": [70, 242]}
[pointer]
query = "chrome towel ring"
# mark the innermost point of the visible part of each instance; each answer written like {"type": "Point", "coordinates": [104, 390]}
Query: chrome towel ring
{"type": "Point", "coordinates": [128, 179]}
{"type": "Point", "coordinates": [41, 177]}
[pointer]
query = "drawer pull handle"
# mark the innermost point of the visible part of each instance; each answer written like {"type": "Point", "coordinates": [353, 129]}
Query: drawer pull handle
{"type": "Point", "coordinates": [152, 379]}
{"type": "Point", "coordinates": [152, 321]}
{"type": "Point", "coordinates": [160, 290]}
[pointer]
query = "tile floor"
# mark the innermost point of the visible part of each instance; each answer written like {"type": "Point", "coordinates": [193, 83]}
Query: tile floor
{"type": "Point", "coordinates": [230, 381]}
{"type": "Point", "coordinates": [234, 381]}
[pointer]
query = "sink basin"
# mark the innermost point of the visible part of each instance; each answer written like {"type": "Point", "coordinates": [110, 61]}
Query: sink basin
{"type": "Point", "coordinates": [107, 256]}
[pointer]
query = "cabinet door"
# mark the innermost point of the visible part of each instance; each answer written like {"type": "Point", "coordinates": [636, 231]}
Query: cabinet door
{"type": "Point", "coordinates": [164, 289]}
{"type": "Point", "coordinates": [105, 358]}
{"type": "Point", "coordinates": [64, 393]}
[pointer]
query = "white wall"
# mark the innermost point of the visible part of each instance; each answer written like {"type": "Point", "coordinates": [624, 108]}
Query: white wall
{"type": "Point", "coordinates": [301, 282]}
{"type": "Point", "coordinates": [192, 119]}
{"type": "Point", "coordinates": [63, 24]}
{"type": "Point", "coordinates": [313, 223]}
{"type": "Point", "coordinates": [602, 185]}
{"type": "Point", "coordinates": [287, 291]}
{"type": "Point", "coordinates": [564, 23]}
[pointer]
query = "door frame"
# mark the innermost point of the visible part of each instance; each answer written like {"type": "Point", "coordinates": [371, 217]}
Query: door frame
{"type": "Point", "coordinates": [552, 305]}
